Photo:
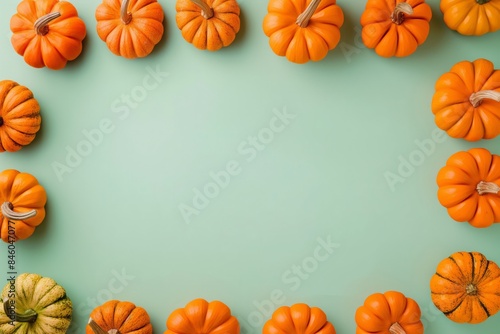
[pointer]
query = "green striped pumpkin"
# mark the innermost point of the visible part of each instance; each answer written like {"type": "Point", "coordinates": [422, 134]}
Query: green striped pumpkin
{"type": "Point", "coordinates": [41, 306]}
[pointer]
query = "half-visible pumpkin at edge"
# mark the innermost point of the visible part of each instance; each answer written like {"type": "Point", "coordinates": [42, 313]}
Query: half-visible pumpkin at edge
{"type": "Point", "coordinates": [20, 118]}
{"type": "Point", "coordinates": [22, 205]}
{"type": "Point", "coordinates": [40, 305]}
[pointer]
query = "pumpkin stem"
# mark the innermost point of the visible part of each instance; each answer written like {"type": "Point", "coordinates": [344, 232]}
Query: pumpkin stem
{"type": "Point", "coordinates": [9, 213]}
{"type": "Point", "coordinates": [303, 19]}
{"type": "Point", "coordinates": [41, 27]}
{"type": "Point", "coordinates": [206, 11]}
{"type": "Point", "coordinates": [482, 2]}
{"type": "Point", "coordinates": [1, 121]}
{"type": "Point", "coordinates": [471, 289]}
{"type": "Point", "coordinates": [398, 15]}
{"type": "Point", "coordinates": [396, 328]}
{"type": "Point", "coordinates": [487, 188]}
{"type": "Point", "coordinates": [28, 316]}
{"type": "Point", "coordinates": [477, 98]}
{"type": "Point", "coordinates": [125, 15]}
{"type": "Point", "coordinates": [98, 330]}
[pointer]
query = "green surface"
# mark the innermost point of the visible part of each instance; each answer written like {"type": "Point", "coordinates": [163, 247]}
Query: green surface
{"type": "Point", "coordinates": [317, 175]}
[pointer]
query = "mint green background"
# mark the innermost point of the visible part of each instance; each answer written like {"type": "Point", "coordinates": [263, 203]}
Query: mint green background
{"type": "Point", "coordinates": [323, 175]}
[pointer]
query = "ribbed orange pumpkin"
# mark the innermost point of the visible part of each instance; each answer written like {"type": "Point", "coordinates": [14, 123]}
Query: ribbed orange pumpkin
{"type": "Point", "coordinates": [298, 319]}
{"type": "Point", "coordinates": [19, 116]}
{"type": "Point", "coordinates": [394, 27]}
{"type": "Point", "coordinates": [202, 317]}
{"type": "Point", "coordinates": [208, 24]}
{"type": "Point", "coordinates": [22, 205]}
{"type": "Point", "coordinates": [471, 17]}
{"type": "Point", "coordinates": [303, 30]}
{"type": "Point", "coordinates": [130, 28]}
{"type": "Point", "coordinates": [469, 187]}
{"type": "Point", "coordinates": [466, 287]}
{"type": "Point", "coordinates": [466, 100]}
{"type": "Point", "coordinates": [119, 317]}
{"type": "Point", "coordinates": [389, 313]}
{"type": "Point", "coordinates": [47, 33]}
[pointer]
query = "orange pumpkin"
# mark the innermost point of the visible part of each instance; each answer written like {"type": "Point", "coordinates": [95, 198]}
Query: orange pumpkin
{"type": "Point", "coordinates": [22, 205]}
{"type": "Point", "coordinates": [466, 287]}
{"type": "Point", "coordinates": [303, 30]}
{"type": "Point", "coordinates": [208, 24]}
{"type": "Point", "coordinates": [298, 319]}
{"type": "Point", "coordinates": [19, 116]}
{"type": "Point", "coordinates": [469, 187]}
{"type": "Point", "coordinates": [130, 28]}
{"type": "Point", "coordinates": [47, 33]}
{"type": "Point", "coordinates": [395, 28]}
{"type": "Point", "coordinates": [119, 317]}
{"type": "Point", "coordinates": [466, 100]}
{"type": "Point", "coordinates": [471, 17]}
{"type": "Point", "coordinates": [202, 317]}
{"type": "Point", "coordinates": [390, 312]}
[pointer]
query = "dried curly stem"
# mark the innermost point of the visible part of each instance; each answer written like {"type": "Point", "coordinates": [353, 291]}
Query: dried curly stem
{"type": "Point", "coordinates": [477, 97]}
{"type": "Point", "coordinates": [41, 27]}
{"type": "Point", "coordinates": [98, 330]}
{"type": "Point", "coordinates": [398, 15]}
{"type": "Point", "coordinates": [28, 316]}
{"type": "Point", "coordinates": [396, 328]}
{"type": "Point", "coordinates": [206, 11]}
{"type": "Point", "coordinates": [125, 15]}
{"type": "Point", "coordinates": [487, 188]}
{"type": "Point", "coordinates": [303, 19]}
{"type": "Point", "coordinates": [9, 213]}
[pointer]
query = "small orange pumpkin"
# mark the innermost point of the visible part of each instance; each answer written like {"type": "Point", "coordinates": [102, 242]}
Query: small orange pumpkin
{"type": "Point", "coordinates": [471, 17]}
{"type": "Point", "coordinates": [390, 312]}
{"type": "Point", "coordinates": [469, 187]}
{"type": "Point", "coordinates": [130, 28]}
{"type": "Point", "coordinates": [303, 30]}
{"type": "Point", "coordinates": [47, 33]}
{"type": "Point", "coordinates": [466, 287]}
{"type": "Point", "coordinates": [202, 317]}
{"type": "Point", "coordinates": [19, 116]}
{"type": "Point", "coordinates": [395, 28]}
{"type": "Point", "coordinates": [208, 24]}
{"type": "Point", "coordinates": [466, 102]}
{"type": "Point", "coordinates": [298, 319]}
{"type": "Point", "coordinates": [119, 317]}
{"type": "Point", "coordinates": [22, 205]}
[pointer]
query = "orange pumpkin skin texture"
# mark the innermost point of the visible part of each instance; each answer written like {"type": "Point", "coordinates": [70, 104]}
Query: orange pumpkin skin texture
{"type": "Point", "coordinates": [202, 317]}
{"type": "Point", "coordinates": [395, 28]}
{"type": "Point", "coordinates": [208, 24]}
{"type": "Point", "coordinates": [469, 187]}
{"type": "Point", "coordinates": [119, 317]}
{"type": "Point", "coordinates": [471, 17]}
{"type": "Point", "coordinates": [298, 319]}
{"type": "Point", "coordinates": [130, 28]}
{"type": "Point", "coordinates": [466, 287]}
{"type": "Point", "coordinates": [19, 116]}
{"type": "Point", "coordinates": [47, 33]}
{"type": "Point", "coordinates": [465, 103]}
{"type": "Point", "coordinates": [303, 30]}
{"type": "Point", "coordinates": [22, 203]}
{"type": "Point", "coordinates": [388, 313]}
